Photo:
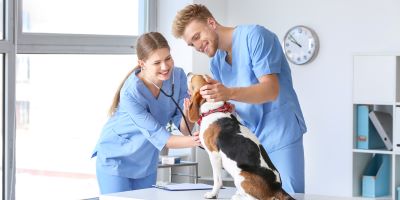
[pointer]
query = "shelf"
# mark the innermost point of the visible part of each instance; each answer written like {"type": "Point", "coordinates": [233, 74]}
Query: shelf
{"type": "Point", "coordinates": [383, 95]}
{"type": "Point", "coordinates": [374, 151]}
{"type": "Point", "coordinates": [376, 198]}
{"type": "Point", "coordinates": [375, 103]}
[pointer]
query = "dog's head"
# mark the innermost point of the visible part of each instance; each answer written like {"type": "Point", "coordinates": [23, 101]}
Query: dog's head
{"type": "Point", "coordinates": [194, 83]}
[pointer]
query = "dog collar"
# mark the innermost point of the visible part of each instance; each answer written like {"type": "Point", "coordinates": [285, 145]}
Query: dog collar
{"type": "Point", "coordinates": [226, 108]}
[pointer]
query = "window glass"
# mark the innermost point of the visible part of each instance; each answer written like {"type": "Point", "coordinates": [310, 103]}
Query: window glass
{"type": "Point", "coordinates": [1, 124]}
{"type": "Point", "coordinates": [101, 17]}
{"type": "Point", "coordinates": [2, 20]}
{"type": "Point", "coordinates": [61, 105]}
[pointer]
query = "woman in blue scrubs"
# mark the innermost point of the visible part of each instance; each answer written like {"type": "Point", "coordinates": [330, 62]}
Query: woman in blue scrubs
{"type": "Point", "coordinates": [251, 71]}
{"type": "Point", "coordinates": [128, 148]}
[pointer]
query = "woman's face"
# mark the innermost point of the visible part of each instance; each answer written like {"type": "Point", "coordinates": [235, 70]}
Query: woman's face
{"type": "Point", "coordinates": [158, 66]}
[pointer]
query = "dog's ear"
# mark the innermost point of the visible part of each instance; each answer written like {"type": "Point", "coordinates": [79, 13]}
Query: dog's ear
{"type": "Point", "coordinates": [194, 107]}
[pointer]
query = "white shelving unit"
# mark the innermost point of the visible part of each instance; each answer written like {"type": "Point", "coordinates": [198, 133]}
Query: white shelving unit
{"type": "Point", "coordinates": [376, 83]}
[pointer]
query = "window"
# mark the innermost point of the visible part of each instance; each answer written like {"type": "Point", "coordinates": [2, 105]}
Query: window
{"type": "Point", "coordinates": [103, 17]}
{"type": "Point", "coordinates": [1, 20]}
{"type": "Point", "coordinates": [70, 58]}
{"type": "Point", "coordinates": [61, 108]}
{"type": "Point", "coordinates": [1, 119]}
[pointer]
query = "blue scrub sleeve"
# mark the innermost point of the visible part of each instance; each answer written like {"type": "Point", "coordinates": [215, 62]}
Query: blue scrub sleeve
{"type": "Point", "coordinates": [265, 51]}
{"type": "Point", "coordinates": [182, 94]}
{"type": "Point", "coordinates": [145, 122]}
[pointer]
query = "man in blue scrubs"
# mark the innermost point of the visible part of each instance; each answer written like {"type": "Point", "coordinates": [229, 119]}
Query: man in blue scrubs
{"type": "Point", "coordinates": [250, 70]}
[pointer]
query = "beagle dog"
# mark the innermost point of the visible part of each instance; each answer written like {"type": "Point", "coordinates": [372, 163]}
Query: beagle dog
{"type": "Point", "coordinates": [234, 147]}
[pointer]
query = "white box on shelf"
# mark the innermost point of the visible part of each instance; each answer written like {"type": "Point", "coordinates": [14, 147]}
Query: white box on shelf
{"type": "Point", "coordinates": [374, 79]}
{"type": "Point", "coordinates": [170, 160]}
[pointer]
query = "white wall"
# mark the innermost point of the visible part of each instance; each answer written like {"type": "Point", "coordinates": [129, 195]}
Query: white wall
{"type": "Point", "coordinates": [324, 87]}
{"type": "Point", "coordinates": [166, 11]}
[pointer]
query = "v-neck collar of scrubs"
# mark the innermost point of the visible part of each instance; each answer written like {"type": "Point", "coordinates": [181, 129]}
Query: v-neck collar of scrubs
{"type": "Point", "coordinates": [225, 53]}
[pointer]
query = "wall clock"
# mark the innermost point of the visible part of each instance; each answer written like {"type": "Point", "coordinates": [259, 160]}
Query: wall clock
{"type": "Point", "coordinates": [301, 45]}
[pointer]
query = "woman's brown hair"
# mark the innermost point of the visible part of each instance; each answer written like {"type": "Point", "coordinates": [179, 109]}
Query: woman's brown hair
{"type": "Point", "coordinates": [146, 44]}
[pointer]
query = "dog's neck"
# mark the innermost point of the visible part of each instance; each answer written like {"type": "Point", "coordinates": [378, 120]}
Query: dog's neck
{"type": "Point", "coordinates": [207, 106]}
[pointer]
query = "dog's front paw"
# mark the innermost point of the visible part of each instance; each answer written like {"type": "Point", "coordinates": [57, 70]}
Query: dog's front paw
{"type": "Point", "coordinates": [210, 195]}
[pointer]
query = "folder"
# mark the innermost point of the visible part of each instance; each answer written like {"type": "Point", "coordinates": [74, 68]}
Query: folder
{"type": "Point", "coordinates": [184, 186]}
{"type": "Point", "coordinates": [367, 135]}
{"type": "Point", "coordinates": [396, 135]}
{"type": "Point", "coordinates": [383, 123]}
{"type": "Point", "coordinates": [376, 176]}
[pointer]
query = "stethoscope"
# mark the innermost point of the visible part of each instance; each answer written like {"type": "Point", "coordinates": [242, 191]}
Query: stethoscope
{"type": "Point", "coordinates": [171, 96]}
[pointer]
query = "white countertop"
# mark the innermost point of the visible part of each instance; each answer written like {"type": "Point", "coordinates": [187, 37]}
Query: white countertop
{"type": "Point", "coordinates": [226, 193]}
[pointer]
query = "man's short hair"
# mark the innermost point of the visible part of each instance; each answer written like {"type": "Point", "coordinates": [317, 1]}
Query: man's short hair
{"type": "Point", "coordinates": [188, 14]}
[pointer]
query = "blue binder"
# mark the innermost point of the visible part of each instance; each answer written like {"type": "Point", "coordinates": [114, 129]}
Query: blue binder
{"type": "Point", "coordinates": [376, 177]}
{"type": "Point", "coordinates": [367, 135]}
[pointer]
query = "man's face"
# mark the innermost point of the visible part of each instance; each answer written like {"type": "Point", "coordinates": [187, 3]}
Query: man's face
{"type": "Point", "coordinates": [202, 36]}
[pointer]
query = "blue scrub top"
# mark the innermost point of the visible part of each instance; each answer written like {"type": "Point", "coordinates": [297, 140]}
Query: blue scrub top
{"type": "Point", "coordinates": [131, 139]}
{"type": "Point", "coordinates": [256, 52]}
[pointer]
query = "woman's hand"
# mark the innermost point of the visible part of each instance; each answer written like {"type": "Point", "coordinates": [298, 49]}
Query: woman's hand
{"type": "Point", "coordinates": [183, 127]}
{"type": "Point", "coordinates": [214, 91]}
{"type": "Point", "coordinates": [186, 103]}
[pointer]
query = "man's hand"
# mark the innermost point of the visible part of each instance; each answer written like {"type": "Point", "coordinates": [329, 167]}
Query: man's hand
{"type": "Point", "coordinates": [214, 91]}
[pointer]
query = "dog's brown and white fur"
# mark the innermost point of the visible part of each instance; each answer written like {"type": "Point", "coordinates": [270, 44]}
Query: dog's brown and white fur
{"type": "Point", "coordinates": [235, 148]}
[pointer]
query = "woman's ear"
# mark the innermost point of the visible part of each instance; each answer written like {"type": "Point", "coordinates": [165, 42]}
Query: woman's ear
{"type": "Point", "coordinates": [194, 107]}
{"type": "Point", "coordinates": [141, 63]}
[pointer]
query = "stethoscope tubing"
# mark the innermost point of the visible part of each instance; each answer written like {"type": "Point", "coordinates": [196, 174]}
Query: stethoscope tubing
{"type": "Point", "coordinates": [173, 100]}
{"type": "Point", "coordinates": [171, 96]}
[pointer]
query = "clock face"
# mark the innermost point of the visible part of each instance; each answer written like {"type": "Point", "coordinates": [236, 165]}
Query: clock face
{"type": "Point", "coordinates": [301, 45]}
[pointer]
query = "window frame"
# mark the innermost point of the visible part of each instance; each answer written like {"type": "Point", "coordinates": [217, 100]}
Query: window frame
{"type": "Point", "coordinates": [93, 44]}
{"type": "Point", "coordinates": [16, 42]}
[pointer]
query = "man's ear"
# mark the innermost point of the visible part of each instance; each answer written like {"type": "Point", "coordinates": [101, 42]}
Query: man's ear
{"type": "Point", "coordinates": [194, 107]}
{"type": "Point", "coordinates": [211, 21]}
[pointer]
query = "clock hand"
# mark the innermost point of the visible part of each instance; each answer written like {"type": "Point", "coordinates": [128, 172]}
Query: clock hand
{"type": "Point", "coordinates": [291, 38]}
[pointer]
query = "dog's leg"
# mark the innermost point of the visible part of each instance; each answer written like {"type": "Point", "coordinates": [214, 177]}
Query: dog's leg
{"type": "Point", "coordinates": [216, 165]}
{"type": "Point", "coordinates": [242, 196]}
{"type": "Point", "coordinates": [237, 195]}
